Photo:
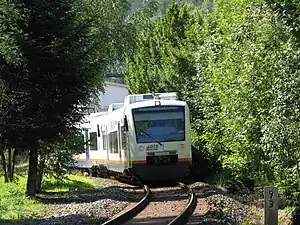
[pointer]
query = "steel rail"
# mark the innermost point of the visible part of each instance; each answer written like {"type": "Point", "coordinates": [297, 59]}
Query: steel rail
{"type": "Point", "coordinates": [188, 210]}
{"type": "Point", "coordinates": [133, 211]}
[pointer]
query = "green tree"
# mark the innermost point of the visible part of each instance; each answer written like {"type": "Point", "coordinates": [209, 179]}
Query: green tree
{"type": "Point", "coordinates": [159, 48]}
{"type": "Point", "coordinates": [164, 60]}
{"type": "Point", "coordinates": [238, 68]}
{"type": "Point", "coordinates": [251, 78]}
{"type": "Point", "coordinates": [289, 13]}
{"type": "Point", "coordinates": [62, 49]}
{"type": "Point", "coordinates": [12, 97]}
{"type": "Point", "coordinates": [56, 158]}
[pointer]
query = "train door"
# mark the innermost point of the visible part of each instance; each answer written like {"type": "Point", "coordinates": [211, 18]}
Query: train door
{"type": "Point", "coordinates": [125, 146]}
{"type": "Point", "coordinates": [119, 141]}
{"type": "Point", "coordinates": [106, 143]}
{"type": "Point", "coordinates": [87, 144]}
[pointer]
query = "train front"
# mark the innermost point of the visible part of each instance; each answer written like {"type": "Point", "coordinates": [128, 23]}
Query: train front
{"type": "Point", "coordinates": [160, 146]}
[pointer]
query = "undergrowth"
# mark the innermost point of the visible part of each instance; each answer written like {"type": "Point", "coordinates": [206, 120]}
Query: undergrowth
{"type": "Point", "coordinates": [14, 205]}
{"type": "Point", "coordinates": [13, 202]}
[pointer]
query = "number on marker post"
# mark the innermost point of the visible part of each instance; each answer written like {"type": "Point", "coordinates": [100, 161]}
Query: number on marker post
{"type": "Point", "coordinates": [271, 205]}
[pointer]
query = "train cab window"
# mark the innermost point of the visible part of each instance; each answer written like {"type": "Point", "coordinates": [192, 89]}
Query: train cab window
{"type": "Point", "coordinates": [93, 141]}
{"type": "Point", "coordinates": [160, 123]}
{"type": "Point", "coordinates": [113, 142]}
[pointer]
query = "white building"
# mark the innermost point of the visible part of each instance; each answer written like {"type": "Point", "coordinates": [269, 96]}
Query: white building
{"type": "Point", "coordinates": [113, 93]}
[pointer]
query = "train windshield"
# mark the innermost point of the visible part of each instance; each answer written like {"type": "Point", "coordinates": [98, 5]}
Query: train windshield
{"type": "Point", "coordinates": [159, 124]}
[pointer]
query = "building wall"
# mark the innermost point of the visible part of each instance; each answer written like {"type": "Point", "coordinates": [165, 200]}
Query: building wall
{"type": "Point", "coordinates": [114, 93]}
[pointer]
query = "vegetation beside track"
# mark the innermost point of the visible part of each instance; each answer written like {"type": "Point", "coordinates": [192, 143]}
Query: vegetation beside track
{"type": "Point", "coordinates": [15, 205]}
{"type": "Point", "coordinates": [235, 62]}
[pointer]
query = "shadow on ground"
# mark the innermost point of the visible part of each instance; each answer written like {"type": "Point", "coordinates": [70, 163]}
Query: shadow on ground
{"type": "Point", "coordinates": [74, 219]}
{"type": "Point", "coordinates": [118, 193]}
{"type": "Point", "coordinates": [206, 190]}
{"type": "Point", "coordinates": [87, 196]}
{"type": "Point", "coordinates": [207, 219]}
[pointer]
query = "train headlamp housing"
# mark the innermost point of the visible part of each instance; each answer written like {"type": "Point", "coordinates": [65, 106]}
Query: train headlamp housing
{"type": "Point", "coordinates": [157, 103]}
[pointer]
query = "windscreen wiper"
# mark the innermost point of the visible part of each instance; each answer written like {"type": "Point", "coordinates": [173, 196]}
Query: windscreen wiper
{"type": "Point", "coordinates": [151, 137]}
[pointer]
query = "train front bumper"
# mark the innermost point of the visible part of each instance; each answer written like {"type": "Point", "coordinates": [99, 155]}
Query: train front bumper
{"type": "Point", "coordinates": [167, 172]}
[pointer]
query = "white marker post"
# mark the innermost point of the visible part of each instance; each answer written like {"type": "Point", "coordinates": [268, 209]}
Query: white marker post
{"type": "Point", "coordinates": [271, 205]}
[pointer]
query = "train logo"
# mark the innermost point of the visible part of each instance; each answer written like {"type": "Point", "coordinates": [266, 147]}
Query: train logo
{"type": "Point", "coordinates": [152, 147]}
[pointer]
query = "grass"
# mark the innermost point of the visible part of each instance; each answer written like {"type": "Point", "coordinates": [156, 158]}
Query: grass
{"type": "Point", "coordinates": [14, 205]}
{"type": "Point", "coordinates": [13, 202]}
{"type": "Point", "coordinates": [72, 183]}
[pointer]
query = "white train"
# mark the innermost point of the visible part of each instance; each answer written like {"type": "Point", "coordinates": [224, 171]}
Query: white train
{"type": "Point", "coordinates": [148, 135]}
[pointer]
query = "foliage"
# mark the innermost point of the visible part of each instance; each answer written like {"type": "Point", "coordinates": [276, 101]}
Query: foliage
{"type": "Point", "coordinates": [137, 5]}
{"type": "Point", "coordinates": [53, 57]}
{"type": "Point", "coordinates": [252, 58]}
{"type": "Point", "coordinates": [162, 40]}
{"type": "Point", "coordinates": [11, 101]}
{"type": "Point", "coordinates": [164, 61]}
{"type": "Point", "coordinates": [238, 68]}
{"type": "Point", "coordinates": [161, 55]}
{"type": "Point", "coordinates": [13, 203]}
{"type": "Point", "coordinates": [58, 155]}
{"type": "Point", "coordinates": [68, 183]}
{"type": "Point", "coordinates": [296, 214]}
{"type": "Point", "coordinates": [289, 12]}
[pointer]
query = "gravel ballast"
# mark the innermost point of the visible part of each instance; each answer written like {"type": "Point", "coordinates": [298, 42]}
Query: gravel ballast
{"type": "Point", "coordinates": [93, 206]}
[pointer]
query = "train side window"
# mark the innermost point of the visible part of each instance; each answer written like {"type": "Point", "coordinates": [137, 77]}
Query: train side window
{"type": "Point", "coordinates": [123, 139]}
{"type": "Point", "coordinates": [116, 146]}
{"type": "Point", "coordinates": [104, 142]}
{"type": "Point", "coordinates": [83, 141]}
{"type": "Point", "coordinates": [86, 141]}
{"type": "Point", "coordinates": [113, 142]}
{"type": "Point", "coordinates": [93, 141]}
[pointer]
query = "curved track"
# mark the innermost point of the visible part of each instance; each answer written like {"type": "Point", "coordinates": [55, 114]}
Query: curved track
{"type": "Point", "coordinates": [129, 214]}
{"type": "Point", "coordinates": [188, 210]}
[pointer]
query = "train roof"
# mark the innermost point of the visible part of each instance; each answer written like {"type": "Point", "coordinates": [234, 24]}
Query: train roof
{"type": "Point", "coordinates": [137, 101]}
{"type": "Point", "coordinates": [155, 103]}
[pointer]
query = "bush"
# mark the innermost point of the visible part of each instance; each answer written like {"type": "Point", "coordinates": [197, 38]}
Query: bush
{"type": "Point", "coordinates": [296, 214]}
{"type": "Point", "coordinates": [204, 165]}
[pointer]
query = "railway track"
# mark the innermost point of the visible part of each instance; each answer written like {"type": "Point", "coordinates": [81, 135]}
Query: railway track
{"type": "Point", "coordinates": [130, 213]}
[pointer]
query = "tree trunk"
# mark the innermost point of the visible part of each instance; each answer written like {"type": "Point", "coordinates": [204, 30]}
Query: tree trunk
{"type": "Point", "coordinates": [9, 165]}
{"type": "Point", "coordinates": [4, 166]}
{"type": "Point", "coordinates": [298, 173]}
{"type": "Point", "coordinates": [13, 165]}
{"type": "Point", "coordinates": [40, 174]}
{"type": "Point", "coordinates": [32, 171]}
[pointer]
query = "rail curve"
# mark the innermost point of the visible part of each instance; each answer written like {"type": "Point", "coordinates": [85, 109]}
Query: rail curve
{"type": "Point", "coordinates": [123, 217]}
{"type": "Point", "coordinates": [188, 210]}
{"type": "Point", "coordinates": [133, 211]}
